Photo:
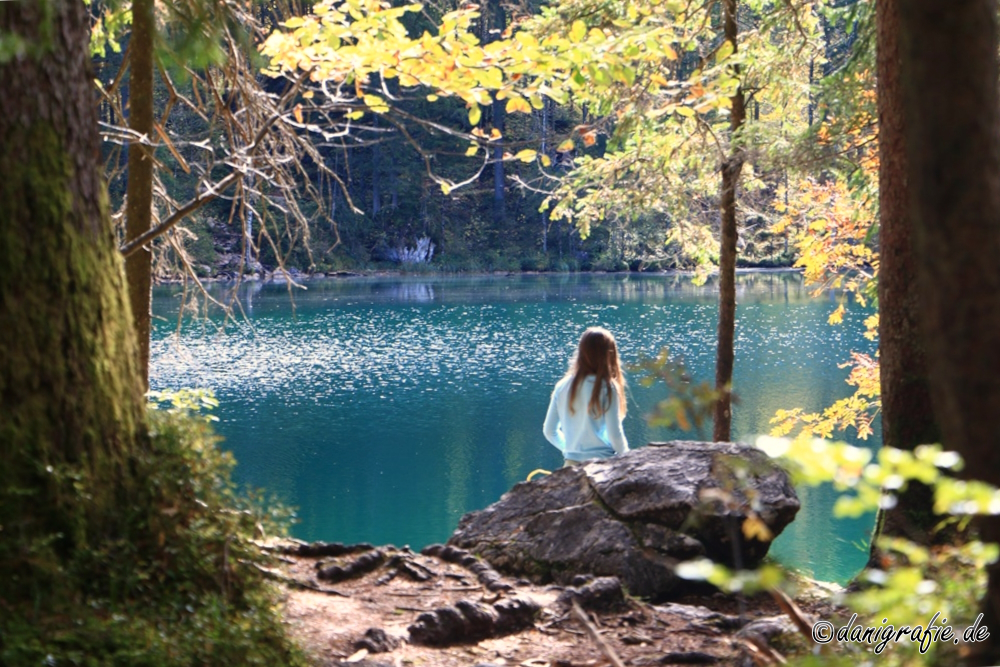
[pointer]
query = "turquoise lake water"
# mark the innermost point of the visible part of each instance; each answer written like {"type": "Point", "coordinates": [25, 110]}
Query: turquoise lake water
{"type": "Point", "coordinates": [385, 408]}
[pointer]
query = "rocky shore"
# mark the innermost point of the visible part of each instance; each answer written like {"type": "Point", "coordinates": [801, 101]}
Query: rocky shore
{"type": "Point", "coordinates": [573, 569]}
{"type": "Point", "coordinates": [447, 608]}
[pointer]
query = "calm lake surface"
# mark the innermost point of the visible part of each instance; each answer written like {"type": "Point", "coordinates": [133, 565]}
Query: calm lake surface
{"type": "Point", "coordinates": [385, 408]}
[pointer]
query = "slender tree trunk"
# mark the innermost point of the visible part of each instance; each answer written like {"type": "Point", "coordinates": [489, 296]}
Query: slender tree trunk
{"type": "Point", "coordinates": [907, 417]}
{"type": "Point", "coordinates": [949, 67]}
{"type": "Point", "coordinates": [544, 215]}
{"type": "Point", "coordinates": [71, 406]}
{"type": "Point", "coordinates": [376, 196]}
{"type": "Point", "coordinates": [139, 188]}
{"type": "Point", "coordinates": [731, 169]}
{"type": "Point", "coordinates": [499, 208]}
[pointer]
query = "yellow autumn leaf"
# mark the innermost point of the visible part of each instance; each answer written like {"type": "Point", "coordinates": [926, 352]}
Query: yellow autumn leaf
{"type": "Point", "coordinates": [471, 150]}
{"type": "Point", "coordinates": [546, 160]}
{"type": "Point", "coordinates": [517, 103]}
{"type": "Point", "coordinates": [375, 103]}
{"type": "Point", "coordinates": [475, 113]}
{"type": "Point", "coordinates": [297, 112]}
{"type": "Point", "coordinates": [754, 528]}
{"type": "Point", "coordinates": [526, 155]}
{"type": "Point", "coordinates": [566, 146]}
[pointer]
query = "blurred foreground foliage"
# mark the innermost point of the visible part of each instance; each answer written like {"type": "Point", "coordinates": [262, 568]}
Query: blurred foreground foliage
{"type": "Point", "coordinates": [182, 586]}
{"type": "Point", "coordinates": [911, 583]}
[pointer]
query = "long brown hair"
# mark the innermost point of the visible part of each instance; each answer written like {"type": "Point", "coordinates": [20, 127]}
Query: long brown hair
{"type": "Point", "coordinates": [597, 355]}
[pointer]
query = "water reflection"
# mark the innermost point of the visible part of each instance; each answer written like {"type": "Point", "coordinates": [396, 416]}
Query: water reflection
{"type": "Point", "coordinates": [754, 285]}
{"type": "Point", "coordinates": [384, 408]}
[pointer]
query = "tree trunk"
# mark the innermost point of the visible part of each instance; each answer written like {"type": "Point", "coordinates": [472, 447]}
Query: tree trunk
{"type": "Point", "coordinates": [949, 66]}
{"type": "Point", "coordinates": [376, 198]}
{"type": "Point", "coordinates": [139, 188]}
{"type": "Point", "coordinates": [907, 416]}
{"type": "Point", "coordinates": [731, 169]}
{"type": "Point", "coordinates": [544, 215]}
{"type": "Point", "coordinates": [499, 208]}
{"type": "Point", "coordinates": [71, 406]}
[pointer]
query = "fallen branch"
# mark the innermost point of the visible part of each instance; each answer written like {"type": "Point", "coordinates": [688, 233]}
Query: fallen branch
{"type": "Point", "coordinates": [595, 636]}
{"type": "Point", "coordinates": [788, 606]}
{"type": "Point", "coordinates": [761, 653]}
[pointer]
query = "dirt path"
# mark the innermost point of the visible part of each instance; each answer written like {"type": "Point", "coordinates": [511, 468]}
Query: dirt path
{"type": "Point", "coordinates": [331, 618]}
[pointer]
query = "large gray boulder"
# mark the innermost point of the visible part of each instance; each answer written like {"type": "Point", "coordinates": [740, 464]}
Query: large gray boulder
{"type": "Point", "coordinates": [635, 516]}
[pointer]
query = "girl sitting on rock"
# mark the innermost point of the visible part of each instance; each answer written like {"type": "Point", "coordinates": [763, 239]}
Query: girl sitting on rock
{"type": "Point", "coordinates": [587, 407]}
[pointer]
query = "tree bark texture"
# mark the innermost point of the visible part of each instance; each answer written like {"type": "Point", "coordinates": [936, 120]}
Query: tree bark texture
{"type": "Point", "coordinates": [907, 416]}
{"type": "Point", "coordinates": [71, 406]}
{"type": "Point", "coordinates": [949, 66]}
{"type": "Point", "coordinates": [139, 188]}
{"type": "Point", "coordinates": [731, 168]}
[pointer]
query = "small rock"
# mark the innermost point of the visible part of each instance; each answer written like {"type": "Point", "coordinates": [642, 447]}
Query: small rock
{"type": "Point", "coordinates": [377, 641]}
{"type": "Point", "coordinates": [768, 628]}
{"type": "Point", "coordinates": [601, 594]}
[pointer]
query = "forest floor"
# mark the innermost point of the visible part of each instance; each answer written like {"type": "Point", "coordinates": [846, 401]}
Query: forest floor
{"type": "Point", "coordinates": [330, 621]}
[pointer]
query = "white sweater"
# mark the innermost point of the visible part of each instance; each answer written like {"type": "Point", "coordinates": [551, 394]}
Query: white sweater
{"type": "Point", "coordinates": [578, 435]}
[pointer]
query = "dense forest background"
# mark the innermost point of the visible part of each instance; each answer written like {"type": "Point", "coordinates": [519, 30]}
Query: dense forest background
{"type": "Point", "coordinates": [368, 196]}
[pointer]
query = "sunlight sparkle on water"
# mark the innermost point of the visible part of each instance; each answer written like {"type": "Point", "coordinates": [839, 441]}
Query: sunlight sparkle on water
{"type": "Point", "coordinates": [386, 408]}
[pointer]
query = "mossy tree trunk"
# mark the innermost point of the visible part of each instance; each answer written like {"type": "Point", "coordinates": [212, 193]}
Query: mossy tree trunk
{"type": "Point", "coordinates": [139, 188]}
{"type": "Point", "coordinates": [949, 67]}
{"type": "Point", "coordinates": [731, 168]}
{"type": "Point", "coordinates": [71, 406]}
{"type": "Point", "coordinates": [907, 416]}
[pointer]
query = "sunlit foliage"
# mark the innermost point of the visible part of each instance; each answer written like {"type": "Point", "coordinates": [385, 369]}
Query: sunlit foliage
{"type": "Point", "coordinates": [912, 583]}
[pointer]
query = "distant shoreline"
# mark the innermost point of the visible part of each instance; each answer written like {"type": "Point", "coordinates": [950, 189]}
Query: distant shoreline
{"type": "Point", "coordinates": [278, 277]}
